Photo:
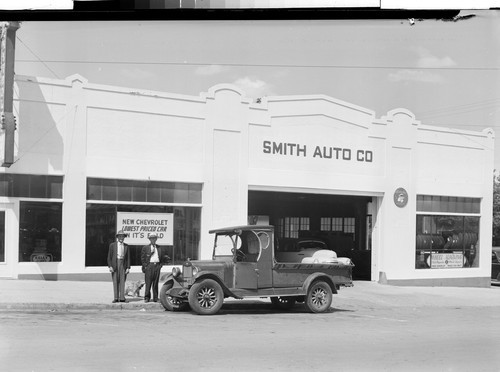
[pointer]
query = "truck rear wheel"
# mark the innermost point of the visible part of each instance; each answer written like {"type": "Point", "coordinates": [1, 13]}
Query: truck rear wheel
{"type": "Point", "coordinates": [171, 303]}
{"type": "Point", "coordinates": [206, 297]}
{"type": "Point", "coordinates": [319, 297]}
{"type": "Point", "coordinates": [284, 303]}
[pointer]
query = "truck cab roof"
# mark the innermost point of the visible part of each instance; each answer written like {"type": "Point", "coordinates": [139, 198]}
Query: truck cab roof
{"type": "Point", "coordinates": [234, 229]}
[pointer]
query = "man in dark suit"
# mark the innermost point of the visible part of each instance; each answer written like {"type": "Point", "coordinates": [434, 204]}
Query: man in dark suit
{"type": "Point", "coordinates": [119, 265]}
{"type": "Point", "coordinates": [152, 257]}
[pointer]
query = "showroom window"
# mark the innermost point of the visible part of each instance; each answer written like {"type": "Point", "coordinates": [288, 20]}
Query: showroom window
{"type": "Point", "coordinates": [143, 191]}
{"type": "Point", "coordinates": [40, 231]}
{"type": "Point", "coordinates": [31, 186]}
{"type": "Point", "coordinates": [447, 232]}
{"type": "Point", "coordinates": [2, 236]}
{"type": "Point", "coordinates": [102, 219]}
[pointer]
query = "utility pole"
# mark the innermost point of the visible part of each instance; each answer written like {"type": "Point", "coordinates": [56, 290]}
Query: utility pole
{"type": "Point", "coordinates": [7, 58]}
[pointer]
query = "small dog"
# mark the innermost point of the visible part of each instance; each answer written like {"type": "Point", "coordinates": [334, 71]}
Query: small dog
{"type": "Point", "coordinates": [133, 288]}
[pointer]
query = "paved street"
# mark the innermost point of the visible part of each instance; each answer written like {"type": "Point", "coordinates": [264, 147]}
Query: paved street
{"type": "Point", "coordinates": [362, 335]}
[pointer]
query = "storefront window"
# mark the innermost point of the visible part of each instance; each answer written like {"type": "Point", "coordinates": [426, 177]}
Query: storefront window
{"type": "Point", "coordinates": [2, 236]}
{"type": "Point", "coordinates": [450, 204]}
{"type": "Point", "coordinates": [102, 218]}
{"type": "Point", "coordinates": [447, 241]}
{"type": "Point", "coordinates": [101, 228]}
{"type": "Point", "coordinates": [31, 186]}
{"type": "Point", "coordinates": [143, 191]}
{"type": "Point", "coordinates": [40, 231]}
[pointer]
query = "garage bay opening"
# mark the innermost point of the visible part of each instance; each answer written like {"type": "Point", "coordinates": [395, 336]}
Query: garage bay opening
{"type": "Point", "coordinates": [305, 223]}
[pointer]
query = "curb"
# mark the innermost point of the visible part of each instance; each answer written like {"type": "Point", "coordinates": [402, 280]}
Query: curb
{"type": "Point", "coordinates": [229, 304]}
{"type": "Point", "coordinates": [81, 306]}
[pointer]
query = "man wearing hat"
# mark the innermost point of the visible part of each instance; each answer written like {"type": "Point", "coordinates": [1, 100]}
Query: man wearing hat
{"type": "Point", "coordinates": [151, 258]}
{"type": "Point", "coordinates": [119, 265]}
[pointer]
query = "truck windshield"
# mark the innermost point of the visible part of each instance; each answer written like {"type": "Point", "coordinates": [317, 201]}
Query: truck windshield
{"type": "Point", "coordinates": [225, 245]}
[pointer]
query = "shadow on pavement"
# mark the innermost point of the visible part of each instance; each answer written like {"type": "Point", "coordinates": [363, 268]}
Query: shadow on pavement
{"type": "Point", "coordinates": [257, 307]}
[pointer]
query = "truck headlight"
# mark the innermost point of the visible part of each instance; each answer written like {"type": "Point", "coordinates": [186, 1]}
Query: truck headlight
{"type": "Point", "coordinates": [195, 270]}
{"type": "Point", "coordinates": [176, 272]}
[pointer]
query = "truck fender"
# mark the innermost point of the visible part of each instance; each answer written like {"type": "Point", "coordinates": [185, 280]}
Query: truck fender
{"type": "Point", "coordinates": [170, 279]}
{"type": "Point", "coordinates": [319, 276]}
{"type": "Point", "coordinates": [205, 275]}
{"type": "Point", "coordinates": [176, 290]}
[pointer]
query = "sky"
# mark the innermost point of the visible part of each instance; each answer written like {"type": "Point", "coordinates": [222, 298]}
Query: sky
{"type": "Point", "coordinates": [447, 73]}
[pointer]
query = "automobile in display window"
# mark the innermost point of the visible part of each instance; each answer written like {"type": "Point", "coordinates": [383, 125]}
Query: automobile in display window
{"type": "Point", "coordinates": [243, 265]}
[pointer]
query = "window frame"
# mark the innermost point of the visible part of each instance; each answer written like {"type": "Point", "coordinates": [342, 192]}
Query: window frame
{"type": "Point", "coordinates": [286, 226]}
{"type": "Point", "coordinates": [340, 224]}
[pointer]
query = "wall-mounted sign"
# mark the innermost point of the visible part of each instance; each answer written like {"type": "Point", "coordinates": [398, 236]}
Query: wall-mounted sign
{"type": "Point", "coordinates": [400, 197]}
{"type": "Point", "coordinates": [317, 151]}
{"type": "Point", "coordinates": [139, 225]}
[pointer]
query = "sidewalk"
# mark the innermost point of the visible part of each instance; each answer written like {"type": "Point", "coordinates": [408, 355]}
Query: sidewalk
{"type": "Point", "coordinates": [84, 295]}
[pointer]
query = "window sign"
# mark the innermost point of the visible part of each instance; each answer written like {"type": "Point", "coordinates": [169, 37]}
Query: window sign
{"type": "Point", "coordinates": [446, 260]}
{"type": "Point", "coordinates": [139, 225]}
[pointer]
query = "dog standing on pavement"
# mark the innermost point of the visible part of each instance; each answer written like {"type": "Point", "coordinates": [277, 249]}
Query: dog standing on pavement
{"type": "Point", "coordinates": [133, 288]}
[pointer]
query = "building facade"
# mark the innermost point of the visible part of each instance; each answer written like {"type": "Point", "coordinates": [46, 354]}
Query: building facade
{"type": "Point", "coordinates": [409, 203]}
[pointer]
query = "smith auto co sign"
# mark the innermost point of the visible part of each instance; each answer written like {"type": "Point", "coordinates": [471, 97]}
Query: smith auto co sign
{"type": "Point", "coordinates": [139, 225]}
{"type": "Point", "coordinates": [316, 151]}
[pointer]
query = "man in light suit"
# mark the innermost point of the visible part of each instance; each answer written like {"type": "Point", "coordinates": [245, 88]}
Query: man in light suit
{"type": "Point", "coordinates": [119, 265]}
{"type": "Point", "coordinates": [152, 258]}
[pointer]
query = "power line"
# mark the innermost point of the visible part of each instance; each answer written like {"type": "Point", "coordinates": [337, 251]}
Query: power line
{"type": "Point", "coordinates": [38, 58]}
{"type": "Point", "coordinates": [458, 112]}
{"type": "Point", "coordinates": [225, 64]}
{"type": "Point", "coordinates": [471, 127]}
{"type": "Point", "coordinates": [486, 103]}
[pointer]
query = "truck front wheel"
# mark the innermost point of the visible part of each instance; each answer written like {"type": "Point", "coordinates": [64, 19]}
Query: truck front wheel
{"type": "Point", "coordinates": [171, 303]}
{"type": "Point", "coordinates": [319, 297]}
{"type": "Point", "coordinates": [206, 297]}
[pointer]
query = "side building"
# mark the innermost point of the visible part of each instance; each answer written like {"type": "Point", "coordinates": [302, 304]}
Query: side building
{"type": "Point", "coordinates": [411, 204]}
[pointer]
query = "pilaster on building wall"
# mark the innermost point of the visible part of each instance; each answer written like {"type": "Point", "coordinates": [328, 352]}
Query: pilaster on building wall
{"type": "Point", "coordinates": [226, 156]}
{"type": "Point", "coordinates": [398, 229]}
{"type": "Point", "coordinates": [75, 175]}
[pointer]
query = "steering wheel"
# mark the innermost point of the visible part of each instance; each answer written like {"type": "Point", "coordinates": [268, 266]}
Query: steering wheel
{"type": "Point", "coordinates": [240, 255]}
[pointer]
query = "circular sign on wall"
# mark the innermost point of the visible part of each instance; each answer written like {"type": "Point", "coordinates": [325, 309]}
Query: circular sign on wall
{"type": "Point", "coordinates": [400, 197]}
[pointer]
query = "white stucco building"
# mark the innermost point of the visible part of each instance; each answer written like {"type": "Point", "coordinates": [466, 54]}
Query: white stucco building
{"type": "Point", "coordinates": [410, 203]}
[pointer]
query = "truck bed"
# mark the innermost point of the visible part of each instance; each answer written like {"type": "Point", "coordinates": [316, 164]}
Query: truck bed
{"type": "Point", "coordinates": [290, 274]}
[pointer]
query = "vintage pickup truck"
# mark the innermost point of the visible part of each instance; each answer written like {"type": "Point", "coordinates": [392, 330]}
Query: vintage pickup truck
{"type": "Point", "coordinates": [244, 265]}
